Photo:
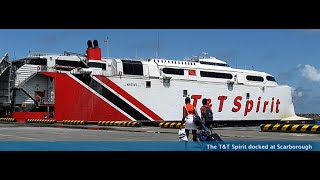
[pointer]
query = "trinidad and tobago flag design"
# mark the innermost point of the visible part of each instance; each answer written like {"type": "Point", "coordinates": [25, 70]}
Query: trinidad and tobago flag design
{"type": "Point", "coordinates": [117, 97]}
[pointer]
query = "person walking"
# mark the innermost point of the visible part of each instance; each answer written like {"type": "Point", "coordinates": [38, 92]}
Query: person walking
{"type": "Point", "coordinates": [206, 113]}
{"type": "Point", "coordinates": [188, 111]}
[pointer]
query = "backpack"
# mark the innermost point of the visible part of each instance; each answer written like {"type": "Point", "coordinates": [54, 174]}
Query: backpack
{"type": "Point", "coordinates": [209, 114]}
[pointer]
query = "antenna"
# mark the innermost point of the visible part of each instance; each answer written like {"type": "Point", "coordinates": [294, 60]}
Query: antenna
{"type": "Point", "coordinates": [157, 50]}
{"type": "Point", "coordinates": [106, 42]}
{"type": "Point", "coordinates": [136, 53]}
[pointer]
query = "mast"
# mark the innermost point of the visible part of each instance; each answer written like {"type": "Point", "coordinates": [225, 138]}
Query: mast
{"type": "Point", "coordinates": [157, 49]}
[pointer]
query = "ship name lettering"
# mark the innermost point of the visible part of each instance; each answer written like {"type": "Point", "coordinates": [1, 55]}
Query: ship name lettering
{"type": "Point", "coordinates": [257, 105]}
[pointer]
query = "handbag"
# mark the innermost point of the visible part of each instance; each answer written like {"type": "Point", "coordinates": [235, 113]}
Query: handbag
{"type": "Point", "coordinates": [182, 134]}
{"type": "Point", "coordinates": [196, 119]}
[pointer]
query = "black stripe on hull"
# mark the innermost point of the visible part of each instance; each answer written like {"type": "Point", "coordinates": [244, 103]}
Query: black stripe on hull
{"type": "Point", "coordinates": [110, 96]}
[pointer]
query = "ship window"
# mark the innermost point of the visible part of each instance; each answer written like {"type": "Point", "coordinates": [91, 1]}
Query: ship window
{"type": "Point", "coordinates": [215, 64]}
{"type": "Point", "coordinates": [255, 78]}
{"type": "Point", "coordinates": [215, 75]}
{"type": "Point", "coordinates": [70, 63]}
{"type": "Point", "coordinates": [38, 62]}
{"type": "Point", "coordinates": [173, 71]}
{"type": "Point", "coordinates": [96, 65]}
{"type": "Point", "coordinates": [270, 78]}
{"type": "Point", "coordinates": [185, 93]}
{"type": "Point", "coordinates": [148, 84]}
{"type": "Point", "coordinates": [132, 67]}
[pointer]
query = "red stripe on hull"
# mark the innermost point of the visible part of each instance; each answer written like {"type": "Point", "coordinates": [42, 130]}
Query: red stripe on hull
{"type": "Point", "coordinates": [128, 97]}
{"type": "Point", "coordinates": [75, 102]}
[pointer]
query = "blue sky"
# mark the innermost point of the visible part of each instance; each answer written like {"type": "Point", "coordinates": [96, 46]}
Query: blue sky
{"type": "Point", "coordinates": [291, 55]}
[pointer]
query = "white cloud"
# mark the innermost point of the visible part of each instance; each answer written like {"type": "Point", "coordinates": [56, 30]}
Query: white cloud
{"type": "Point", "coordinates": [296, 93]}
{"type": "Point", "coordinates": [309, 72]}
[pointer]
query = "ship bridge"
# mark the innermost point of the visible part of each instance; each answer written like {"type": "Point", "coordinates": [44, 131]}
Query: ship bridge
{"type": "Point", "coordinates": [213, 61]}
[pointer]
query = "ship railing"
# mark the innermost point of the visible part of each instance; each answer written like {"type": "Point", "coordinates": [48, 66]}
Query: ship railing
{"type": "Point", "coordinates": [38, 54]}
{"type": "Point", "coordinates": [21, 83]}
{"type": "Point", "coordinates": [4, 63]}
{"type": "Point", "coordinates": [46, 100]}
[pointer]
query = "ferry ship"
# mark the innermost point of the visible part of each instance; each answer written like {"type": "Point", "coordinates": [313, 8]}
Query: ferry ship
{"type": "Point", "coordinates": [89, 87]}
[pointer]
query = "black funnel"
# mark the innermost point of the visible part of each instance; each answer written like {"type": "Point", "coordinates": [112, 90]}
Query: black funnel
{"type": "Point", "coordinates": [89, 44]}
{"type": "Point", "coordinates": [95, 44]}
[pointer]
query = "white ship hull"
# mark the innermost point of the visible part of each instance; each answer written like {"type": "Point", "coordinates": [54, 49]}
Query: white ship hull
{"type": "Point", "coordinates": [167, 100]}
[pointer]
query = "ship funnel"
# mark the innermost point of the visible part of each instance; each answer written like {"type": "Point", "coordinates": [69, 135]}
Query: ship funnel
{"type": "Point", "coordinates": [95, 52]}
{"type": "Point", "coordinates": [89, 44]}
{"type": "Point", "coordinates": [95, 44]}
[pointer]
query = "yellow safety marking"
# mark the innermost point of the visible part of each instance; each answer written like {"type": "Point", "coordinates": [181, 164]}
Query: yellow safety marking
{"type": "Point", "coordinates": [284, 128]}
{"type": "Point", "coordinates": [294, 127]}
{"type": "Point", "coordinates": [166, 125]}
{"type": "Point", "coordinates": [172, 125]}
{"type": "Point", "coordinates": [265, 128]}
{"type": "Point", "coordinates": [275, 127]}
{"type": "Point", "coordinates": [304, 128]}
{"type": "Point", "coordinates": [314, 128]}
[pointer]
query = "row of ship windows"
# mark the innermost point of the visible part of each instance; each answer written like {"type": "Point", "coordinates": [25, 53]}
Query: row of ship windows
{"type": "Point", "coordinates": [192, 63]}
{"type": "Point", "coordinates": [137, 69]}
{"type": "Point", "coordinates": [175, 62]}
{"type": "Point", "coordinates": [216, 75]}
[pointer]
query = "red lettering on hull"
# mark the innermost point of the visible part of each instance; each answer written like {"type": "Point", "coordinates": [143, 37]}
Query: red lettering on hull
{"type": "Point", "coordinates": [249, 104]}
{"type": "Point", "coordinates": [237, 104]}
{"type": "Point", "coordinates": [221, 98]}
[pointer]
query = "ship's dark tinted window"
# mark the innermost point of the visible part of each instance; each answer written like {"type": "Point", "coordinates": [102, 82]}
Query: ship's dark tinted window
{"type": "Point", "coordinates": [148, 84]}
{"type": "Point", "coordinates": [38, 61]}
{"type": "Point", "coordinates": [132, 67]}
{"type": "Point", "coordinates": [97, 65]}
{"type": "Point", "coordinates": [215, 75]}
{"type": "Point", "coordinates": [70, 63]}
{"type": "Point", "coordinates": [212, 63]}
{"type": "Point", "coordinates": [255, 78]}
{"type": "Point", "coordinates": [270, 78]}
{"type": "Point", "coordinates": [173, 71]}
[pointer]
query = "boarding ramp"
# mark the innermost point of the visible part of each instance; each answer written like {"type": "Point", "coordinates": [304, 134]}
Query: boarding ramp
{"type": "Point", "coordinates": [5, 74]}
